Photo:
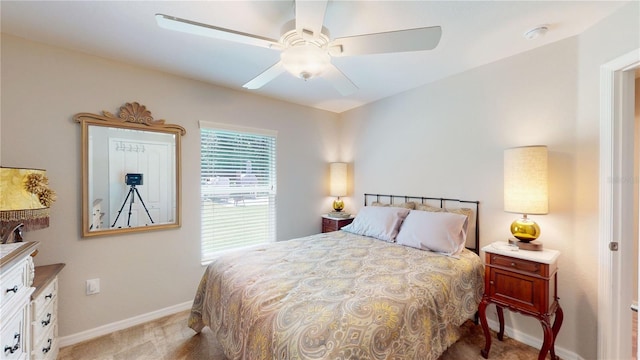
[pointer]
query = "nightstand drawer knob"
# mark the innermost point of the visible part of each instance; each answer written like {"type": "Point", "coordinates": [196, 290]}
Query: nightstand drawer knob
{"type": "Point", "coordinates": [513, 264]}
{"type": "Point", "coordinates": [491, 282]}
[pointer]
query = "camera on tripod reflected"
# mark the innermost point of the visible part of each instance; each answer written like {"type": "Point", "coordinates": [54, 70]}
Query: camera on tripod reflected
{"type": "Point", "coordinates": [133, 179]}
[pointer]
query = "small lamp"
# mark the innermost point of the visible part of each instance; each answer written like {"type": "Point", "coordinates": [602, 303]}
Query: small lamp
{"type": "Point", "coordinates": [338, 186]}
{"type": "Point", "coordinates": [526, 191]}
{"type": "Point", "coordinates": [25, 198]}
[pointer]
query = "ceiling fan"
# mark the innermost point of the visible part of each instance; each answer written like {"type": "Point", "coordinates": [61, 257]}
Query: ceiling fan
{"type": "Point", "coordinates": [306, 48]}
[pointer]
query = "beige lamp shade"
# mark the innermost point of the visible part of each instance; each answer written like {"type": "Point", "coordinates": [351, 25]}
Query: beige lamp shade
{"type": "Point", "coordinates": [526, 180]}
{"type": "Point", "coordinates": [338, 179]}
{"type": "Point", "coordinates": [25, 198]}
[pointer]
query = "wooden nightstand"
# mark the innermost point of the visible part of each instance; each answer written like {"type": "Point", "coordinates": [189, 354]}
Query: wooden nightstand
{"type": "Point", "coordinates": [522, 281]}
{"type": "Point", "coordinates": [334, 224]}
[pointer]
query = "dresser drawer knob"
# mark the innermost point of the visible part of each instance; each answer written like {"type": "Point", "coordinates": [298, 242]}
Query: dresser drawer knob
{"type": "Point", "coordinates": [48, 321]}
{"type": "Point", "coordinates": [513, 264]}
{"type": "Point", "coordinates": [48, 296]}
{"type": "Point", "coordinates": [491, 282]}
{"type": "Point", "coordinates": [14, 289]}
{"type": "Point", "coordinates": [15, 347]}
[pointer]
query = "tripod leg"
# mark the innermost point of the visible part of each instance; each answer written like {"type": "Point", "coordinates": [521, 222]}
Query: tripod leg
{"type": "Point", "coordinates": [143, 205]}
{"type": "Point", "coordinates": [122, 207]}
{"type": "Point", "coordinates": [133, 187]}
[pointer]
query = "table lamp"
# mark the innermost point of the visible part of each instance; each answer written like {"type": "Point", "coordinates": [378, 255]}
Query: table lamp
{"type": "Point", "coordinates": [526, 191]}
{"type": "Point", "coordinates": [25, 198]}
{"type": "Point", "coordinates": [338, 187]}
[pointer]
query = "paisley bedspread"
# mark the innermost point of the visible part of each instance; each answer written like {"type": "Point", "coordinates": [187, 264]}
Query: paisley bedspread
{"type": "Point", "coordinates": [337, 296]}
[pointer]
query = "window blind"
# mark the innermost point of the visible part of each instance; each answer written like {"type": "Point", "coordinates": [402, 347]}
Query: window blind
{"type": "Point", "coordinates": [238, 187]}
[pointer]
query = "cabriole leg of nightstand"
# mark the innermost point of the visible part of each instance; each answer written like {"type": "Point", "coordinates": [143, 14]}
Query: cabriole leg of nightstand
{"type": "Point", "coordinates": [548, 339]}
{"type": "Point", "coordinates": [482, 311]}
{"type": "Point", "coordinates": [501, 322]}
{"type": "Point", "coordinates": [557, 323]}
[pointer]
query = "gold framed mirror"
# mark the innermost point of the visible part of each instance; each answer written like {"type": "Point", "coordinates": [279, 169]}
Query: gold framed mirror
{"type": "Point", "coordinates": [131, 172]}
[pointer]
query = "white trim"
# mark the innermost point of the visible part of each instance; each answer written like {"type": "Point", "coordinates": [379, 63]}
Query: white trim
{"type": "Point", "coordinates": [237, 128]}
{"type": "Point", "coordinates": [530, 340]}
{"type": "Point", "coordinates": [611, 156]}
{"type": "Point", "coordinates": [123, 324]}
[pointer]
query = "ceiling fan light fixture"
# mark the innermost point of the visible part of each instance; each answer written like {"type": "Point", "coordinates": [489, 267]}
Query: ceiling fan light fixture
{"type": "Point", "coordinates": [305, 61]}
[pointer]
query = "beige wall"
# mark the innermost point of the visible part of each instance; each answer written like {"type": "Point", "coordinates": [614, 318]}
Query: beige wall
{"type": "Point", "coordinates": [43, 87]}
{"type": "Point", "coordinates": [447, 139]}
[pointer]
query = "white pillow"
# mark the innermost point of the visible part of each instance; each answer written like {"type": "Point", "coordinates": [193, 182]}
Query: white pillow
{"type": "Point", "coordinates": [378, 222]}
{"type": "Point", "coordinates": [441, 232]}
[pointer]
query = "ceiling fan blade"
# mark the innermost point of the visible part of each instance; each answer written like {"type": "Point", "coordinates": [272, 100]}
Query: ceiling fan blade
{"type": "Point", "coordinates": [418, 39]}
{"type": "Point", "coordinates": [196, 28]}
{"type": "Point", "coordinates": [339, 81]}
{"type": "Point", "coordinates": [310, 16]}
{"type": "Point", "coordinates": [264, 77]}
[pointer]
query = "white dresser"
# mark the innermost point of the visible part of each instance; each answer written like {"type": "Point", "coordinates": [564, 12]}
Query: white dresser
{"type": "Point", "coordinates": [44, 312]}
{"type": "Point", "coordinates": [16, 279]}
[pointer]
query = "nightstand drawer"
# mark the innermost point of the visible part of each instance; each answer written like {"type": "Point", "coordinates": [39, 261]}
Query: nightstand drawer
{"type": "Point", "coordinates": [334, 224]}
{"type": "Point", "coordinates": [524, 292]}
{"type": "Point", "coordinates": [525, 266]}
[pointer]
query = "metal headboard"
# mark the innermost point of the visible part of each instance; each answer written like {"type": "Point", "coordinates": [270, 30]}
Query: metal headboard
{"type": "Point", "coordinates": [394, 199]}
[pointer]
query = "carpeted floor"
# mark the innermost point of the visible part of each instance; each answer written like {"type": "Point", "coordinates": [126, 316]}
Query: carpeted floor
{"type": "Point", "coordinates": [169, 338]}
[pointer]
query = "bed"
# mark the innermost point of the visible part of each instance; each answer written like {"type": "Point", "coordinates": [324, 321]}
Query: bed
{"type": "Point", "coordinates": [345, 295]}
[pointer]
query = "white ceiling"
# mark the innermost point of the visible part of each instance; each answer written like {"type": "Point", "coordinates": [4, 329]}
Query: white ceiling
{"type": "Point", "coordinates": [473, 33]}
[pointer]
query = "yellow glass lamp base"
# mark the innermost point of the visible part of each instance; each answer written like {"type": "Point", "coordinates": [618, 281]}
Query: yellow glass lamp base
{"type": "Point", "coordinates": [525, 229]}
{"type": "Point", "coordinates": [338, 205]}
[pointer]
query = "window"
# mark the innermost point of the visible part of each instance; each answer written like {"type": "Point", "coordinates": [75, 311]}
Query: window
{"type": "Point", "coordinates": [238, 187]}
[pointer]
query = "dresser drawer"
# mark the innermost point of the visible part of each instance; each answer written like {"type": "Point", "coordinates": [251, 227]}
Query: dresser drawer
{"type": "Point", "coordinates": [525, 266]}
{"type": "Point", "coordinates": [13, 335]}
{"type": "Point", "coordinates": [14, 281]}
{"type": "Point", "coordinates": [47, 347]}
{"type": "Point", "coordinates": [45, 298]}
{"type": "Point", "coordinates": [44, 322]}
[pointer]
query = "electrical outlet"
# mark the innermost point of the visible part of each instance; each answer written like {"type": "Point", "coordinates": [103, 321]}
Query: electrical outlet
{"type": "Point", "coordinates": [93, 286]}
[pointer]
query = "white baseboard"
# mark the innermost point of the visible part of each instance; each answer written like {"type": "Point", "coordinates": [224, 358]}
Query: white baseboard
{"type": "Point", "coordinates": [531, 341]}
{"type": "Point", "coordinates": [123, 324]}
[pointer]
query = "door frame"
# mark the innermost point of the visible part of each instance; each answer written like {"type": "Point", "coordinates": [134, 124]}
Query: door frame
{"type": "Point", "coordinates": [613, 315]}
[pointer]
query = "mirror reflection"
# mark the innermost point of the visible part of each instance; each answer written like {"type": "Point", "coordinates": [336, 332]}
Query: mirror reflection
{"type": "Point", "coordinates": [131, 172]}
{"type": "Point", "coordinates": [137, 187]}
